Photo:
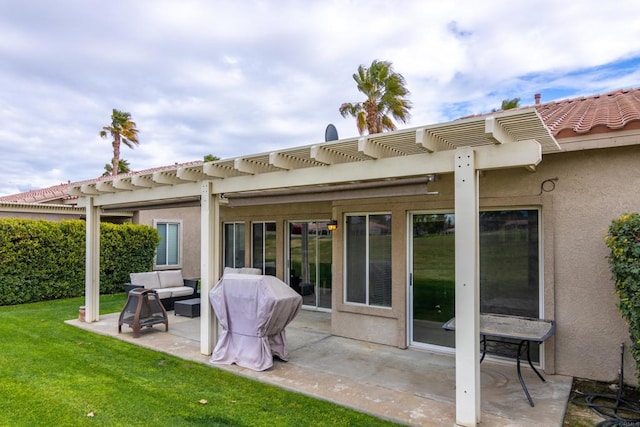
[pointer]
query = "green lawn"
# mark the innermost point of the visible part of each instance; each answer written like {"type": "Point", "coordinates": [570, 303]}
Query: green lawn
{"type": "Point", "coordinates": [54, 374]}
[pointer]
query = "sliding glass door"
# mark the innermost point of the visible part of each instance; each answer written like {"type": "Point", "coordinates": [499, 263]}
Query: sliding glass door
{"type": "Point", "coordinates": [509, 272]}
{"type": "Point", "coordinates": [310, 262]}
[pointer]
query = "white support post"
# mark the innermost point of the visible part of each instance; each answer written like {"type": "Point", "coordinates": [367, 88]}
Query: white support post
{"type": "Point", "coordinates": [209, 264]}
{"type": "Point", "coordinates": [467, 303]}
{"type": "Point", "coordinates": [92, 262]}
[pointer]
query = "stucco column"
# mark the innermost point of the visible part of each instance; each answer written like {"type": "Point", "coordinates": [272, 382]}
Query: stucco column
{"type": "Point", "coordinates": [467, 303]}
{"type": "Point", "coordinates": [92, 262]}
{"type": "Point", "coordinates": [209, 264]}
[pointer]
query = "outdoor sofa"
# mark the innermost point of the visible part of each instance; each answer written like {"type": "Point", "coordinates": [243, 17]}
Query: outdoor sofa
{"type": "Point", "coordinates": [168, 284]}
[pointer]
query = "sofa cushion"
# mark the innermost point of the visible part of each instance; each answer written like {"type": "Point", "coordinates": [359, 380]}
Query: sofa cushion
{"type": "Point", "coordinates": [164, 293]}
{"type": "Point", "coordinates": [180, 291]}
{"type": "Point", "coordinates": [171, 278]}
{"type": "Point", "coordinates": [147, 280]}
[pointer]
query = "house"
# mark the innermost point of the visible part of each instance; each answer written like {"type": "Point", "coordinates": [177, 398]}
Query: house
{"type": "Point", "coordinates": [503, 213]}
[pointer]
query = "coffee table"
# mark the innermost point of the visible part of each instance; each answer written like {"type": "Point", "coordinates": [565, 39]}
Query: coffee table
{"type": "Point", "coordinates": [187, 307]}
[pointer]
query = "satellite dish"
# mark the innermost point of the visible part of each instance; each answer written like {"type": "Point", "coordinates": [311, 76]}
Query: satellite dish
{"type": "Point", "coordinates": [331, 133]}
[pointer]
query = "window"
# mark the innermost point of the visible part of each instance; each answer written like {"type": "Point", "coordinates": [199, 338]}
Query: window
{"type": "Point", "coordinates": [234, 244]}
{"type": "Point", "coordinates": [368, 251]}
{"type": "Point", "coordinates": [168, 252]}
{"type": "Point", "coordinates": [264, 247]}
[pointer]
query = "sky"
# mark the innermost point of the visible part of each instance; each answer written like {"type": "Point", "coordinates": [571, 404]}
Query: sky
{"type": "Point", "coordinates": [231, 78]}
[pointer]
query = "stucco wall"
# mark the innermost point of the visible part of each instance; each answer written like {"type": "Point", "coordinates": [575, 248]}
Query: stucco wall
{"type": "Point", "coordinates": [593, 188]}
{"type": "Point", "coordinates": [190, 234]}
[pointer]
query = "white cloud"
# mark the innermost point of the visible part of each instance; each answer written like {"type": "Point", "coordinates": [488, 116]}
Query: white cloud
{"type": "Point", "coordinates": [232, 78]}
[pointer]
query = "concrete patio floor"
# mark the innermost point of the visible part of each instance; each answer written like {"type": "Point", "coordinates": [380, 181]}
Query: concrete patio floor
{"type": "Point", "coordinates": [406, 386]}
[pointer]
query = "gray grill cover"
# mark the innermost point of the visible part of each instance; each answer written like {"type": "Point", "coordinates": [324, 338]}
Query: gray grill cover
{"type": "Point", "coordinates": [253, 312]}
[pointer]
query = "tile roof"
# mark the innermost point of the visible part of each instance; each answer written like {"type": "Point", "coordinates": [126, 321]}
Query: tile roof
{"type": "Point", "coordinates": [613, 111]}
{"type": "Point", "coordinates": [58, 193]}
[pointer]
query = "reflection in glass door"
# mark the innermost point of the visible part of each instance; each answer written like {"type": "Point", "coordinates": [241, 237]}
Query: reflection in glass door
{"type": "Point", "coordinates": [310, 262]}
{"type": "Point", "coordinates": [509, 273]}
{"type": "Point", "coordinates": [432, 290]}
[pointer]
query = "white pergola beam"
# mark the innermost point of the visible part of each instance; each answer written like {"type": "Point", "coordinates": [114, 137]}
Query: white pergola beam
{"type": "Point", "coordinates": [162, 192]}
{"type": "Point", "coordinates": [374, 150]}
{"type": "Point", "coordinates": [216, 171]}
{"type": "Point", "coordinates": [165, 178]}
{"type": "Point", "coordinates": [245, 166]}
{"type": "Point", "coordinates": [106, 187]}
{"type": "Point", "coordinates": [328, 157]}
{"type": "Point", "coordinates": [495, 132]}
{"type": "Point", "coordinates": [282, 161]}
{"type": "Point", "coordinates": [487, 157]}
{"type": "Point", "coordinates": [89, 189]}
{"type": "Point", "coordinates": [522, 153]}
{"type": "Point", "coordinates": [190, 174]}
{"type": "Point", "coordinates": [427, 140]}
{"type": "Point", "coordinates": [123, 184]}
{"type": "Point", "coordinates": [142, 181]}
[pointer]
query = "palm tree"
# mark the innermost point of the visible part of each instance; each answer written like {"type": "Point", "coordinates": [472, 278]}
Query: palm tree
{"type": "Point", "coordinates": [386, 94]}
{"type": "Point", "coordinates": [122, 130]}
{"type": "Point", "coordinates": [123, 167]}
{"type": "Point", "coordinates": [508, 104]}
{"type": "Point", "coordinates": [211, 158]}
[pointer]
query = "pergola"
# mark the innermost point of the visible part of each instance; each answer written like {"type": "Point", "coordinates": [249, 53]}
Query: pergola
{"type": "Point", "coordinates": [514, 138]}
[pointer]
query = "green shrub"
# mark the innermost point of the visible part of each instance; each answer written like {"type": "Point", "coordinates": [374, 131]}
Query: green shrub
{"type": "Point", "coordinates": [624, 241]}
{"type": "Point", "coordinates": [45, 260]}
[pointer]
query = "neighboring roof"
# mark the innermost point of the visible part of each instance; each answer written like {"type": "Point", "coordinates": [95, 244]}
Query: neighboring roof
{"type": "Point", "coordinates": [613, 111]}
{"type": "Point", "coordinates": [58, 193]}
{"type": "Point", "coordinates": [55, 194]}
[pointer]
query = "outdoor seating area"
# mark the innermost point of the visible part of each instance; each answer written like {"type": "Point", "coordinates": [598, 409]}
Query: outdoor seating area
{"type": "Point", "coordinates": [408, 386]}
{"type": "Point", "coordinates": [168, 284]}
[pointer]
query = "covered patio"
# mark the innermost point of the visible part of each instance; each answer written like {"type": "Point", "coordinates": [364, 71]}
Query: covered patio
{"type": "Point", "coordinates": [463, 148]}
{"type": "Point", "coordinates": [406, 386]}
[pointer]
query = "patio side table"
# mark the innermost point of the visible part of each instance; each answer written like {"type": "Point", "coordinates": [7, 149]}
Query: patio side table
{"type": "Point", "coordinates": [187, 307]}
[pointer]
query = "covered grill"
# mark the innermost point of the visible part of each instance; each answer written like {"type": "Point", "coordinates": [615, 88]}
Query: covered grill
{"type": "Point", "coordinates": [253, 312]}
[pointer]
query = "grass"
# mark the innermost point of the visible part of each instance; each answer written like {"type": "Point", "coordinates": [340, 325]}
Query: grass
{"type": "Point", "coordinates": [57, 375]}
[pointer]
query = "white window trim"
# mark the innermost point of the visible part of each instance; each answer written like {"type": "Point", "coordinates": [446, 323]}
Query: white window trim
{"type": "Point", "coordinates": [235, 242]}
{"type": "Point", "coordinates": [155, 223]}
{"type": "Point", "coordinates": [264, 262]}
{"type": "Point", "coordinates": [345, 264]}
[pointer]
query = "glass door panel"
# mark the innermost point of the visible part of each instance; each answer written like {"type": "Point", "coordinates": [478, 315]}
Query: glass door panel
{"type": "Point", "coordinates": [433, 276]}
{"type": "Point", "coordinates": [310, 260]}
{"type": "Point", "coordinates": [509, 273]}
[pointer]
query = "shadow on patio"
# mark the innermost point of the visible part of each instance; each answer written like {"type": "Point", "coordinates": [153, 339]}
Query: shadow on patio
{"type": "Point", "coordinates": [407, 386]}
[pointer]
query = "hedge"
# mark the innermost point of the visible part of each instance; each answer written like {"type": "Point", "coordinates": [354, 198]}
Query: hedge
{"type": "Point", "coordinates": [44, 260]}
{"type": "Point", "coordinates": [624, 241]}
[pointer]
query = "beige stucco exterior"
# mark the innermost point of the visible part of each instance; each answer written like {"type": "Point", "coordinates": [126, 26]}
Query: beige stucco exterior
{"type": "Point", "coordinates": [589, 189]}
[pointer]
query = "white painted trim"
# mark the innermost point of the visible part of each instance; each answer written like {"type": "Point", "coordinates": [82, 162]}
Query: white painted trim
{"type": "Point", "coordinates": [92, 262]}
{"type": "Point", "coordinates": [467, 288]}
{"type": "Point", "coordinates": [209, 265]}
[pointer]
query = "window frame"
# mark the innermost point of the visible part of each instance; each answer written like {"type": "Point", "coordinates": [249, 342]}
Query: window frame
{"type": "Point", "coordinates": [167, 222]}
{"type": "Point", "coordinates": [263, 249]}
{"type": "Point", "coordinates": [235, 243]}
{"type": "Point", "coordinates": [367, 276]}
